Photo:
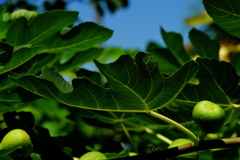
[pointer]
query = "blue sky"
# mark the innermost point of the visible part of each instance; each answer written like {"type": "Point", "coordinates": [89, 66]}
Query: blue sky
{"type": "Point", "coordinates": [141, 21]}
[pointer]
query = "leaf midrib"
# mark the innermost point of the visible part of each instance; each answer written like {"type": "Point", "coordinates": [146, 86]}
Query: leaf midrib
{"type": "Point", "coordinates": [47, 31]}
{"type": "Point", "coordinates": [137, 95]}
{"type": "Point", "coordinates": [74, 44]}
{"type": "Point", "coordinates": [225, 11]}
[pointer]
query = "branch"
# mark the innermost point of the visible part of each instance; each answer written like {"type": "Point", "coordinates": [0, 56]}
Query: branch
{"type": "Point", "coordinates": [191, 135]}
{"type": "Point", "coordinates": [187, 148]}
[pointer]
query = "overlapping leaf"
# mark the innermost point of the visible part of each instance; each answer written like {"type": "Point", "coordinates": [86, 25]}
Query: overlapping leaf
{"type": "Point", "coordinates": [172, 57]}
{"type": "Point", "coordinates": [203, 45]}
{"type": "Point", "coordinates": [38, 62]}
{"type": "Point", "coordinates": [19, 57]}
{"type": "Point", "coordinates": [136, 85]}
{"type": "Point", "coordinates": [9, 97]}
{"type": "Point", "coordinates": [45, 29]}
{"type": "Point", "coordinates": [79, 59]}
{"type": "Point", "coordinates": [225, 13]}
{"type": "Point", "coordinates": [166, 60]}
{"type": "Point", "coordinates": [5, 53]}
{"type": "Point", "coordinates": [43, 34]}
{"type": "Point", "coordinates": [40, 28]}
{"type": "Point", "coordinates": [174, 42]}
{"type": "Point", "coordinates": [80, 38]}
{"type": "Point", "coordinates": [8, 91]}
{"type": "Point", "coordinates": [218, 82]}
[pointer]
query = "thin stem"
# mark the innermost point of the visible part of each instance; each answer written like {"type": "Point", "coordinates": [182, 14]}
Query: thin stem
{"type": "Point", "coordinates": [159, 136]}
{"type": "Point", "coordinates": [203, 136]}
{"type": "Point", "coordinates": [187, 148]}
{"type": "Point", "coordinates": [163, 138]}
{"type": "Point", "coordinates": [231, 115]}
{"type": "Point", "coordinates": [175, 124]}
{"type": "Point", "coordinates": [129, 136]}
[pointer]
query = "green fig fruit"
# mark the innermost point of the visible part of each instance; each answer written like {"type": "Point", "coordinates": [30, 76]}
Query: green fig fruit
{"type": "Point", "coordinates": [208, 116]}
{"type": "Point", "coordinates": [16, 139]}
{"type": "Point", "coordinates": [93, 155]}
{"type": "Point", "coordinates": [187, 156]}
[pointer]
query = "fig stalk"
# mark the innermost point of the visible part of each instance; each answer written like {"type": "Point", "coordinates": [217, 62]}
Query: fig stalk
{"type": "Point", "coordinates": [177, 125]}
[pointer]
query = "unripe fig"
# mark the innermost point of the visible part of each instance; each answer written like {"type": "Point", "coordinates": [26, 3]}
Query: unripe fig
{"type": "Point", "coordinates": [187, 156]}
{"type": "Point", "coordinates": [14, 140]}
{"type": "Point", "coordinates": [93, 155]}
{"type": "Point", "coordinates": [208, 116]}
{"type": "Point", "coordinates": [179, 142]}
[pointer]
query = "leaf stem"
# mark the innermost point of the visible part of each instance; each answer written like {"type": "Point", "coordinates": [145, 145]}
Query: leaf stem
{"type": "Point", "coordinates": [129, 136]}
{"type": "Point", "coordinates": [203, 136]}
{"type": "Point", "coordinates": [159, 136]}
{"type": "Point", "coordinates": [175, 124]}
{"type": "Point", "coordinates": [187, 148]}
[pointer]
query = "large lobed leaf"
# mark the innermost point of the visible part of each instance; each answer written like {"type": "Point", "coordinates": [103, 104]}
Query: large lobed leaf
{"type": "Point", "coordinates": [135, 85]}
{"type": "Point", "coordinates": [225, 13]}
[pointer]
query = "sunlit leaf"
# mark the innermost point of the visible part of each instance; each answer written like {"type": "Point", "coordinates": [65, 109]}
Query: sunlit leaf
{"type": "Point", "coordinates": [50, 75]}
{"type": "Point", "coordinates": [23, 13]}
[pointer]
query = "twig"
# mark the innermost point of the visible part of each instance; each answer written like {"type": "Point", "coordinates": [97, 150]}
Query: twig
{"type": "Point", "coordinates": [159, 136]}
{"type": "Point", "coordinates": [128, 136]}
{"type": "Point", "coordinates": [177, 125]}
{"type": "Point", "coordinates": [187, 148]}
